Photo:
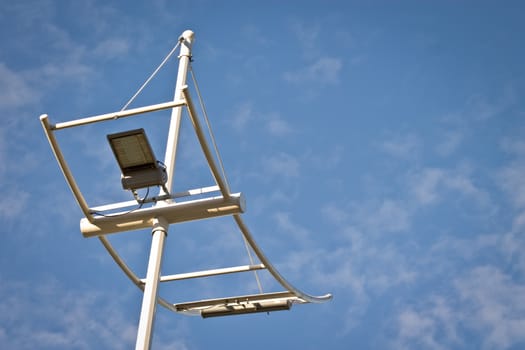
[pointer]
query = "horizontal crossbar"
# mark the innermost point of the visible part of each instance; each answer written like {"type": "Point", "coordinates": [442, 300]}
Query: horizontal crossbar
{"type": "Point", "coordinates": [119, 114]}
{"type": "Point", "coordinates": [172, 213]}
{"type": "Point", "coordinates": [127, 204]}
{"type": "Point", "coordinates": [208, 273]}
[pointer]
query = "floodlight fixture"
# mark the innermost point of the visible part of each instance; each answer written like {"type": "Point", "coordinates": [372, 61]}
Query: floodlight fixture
{"type": "Point", "coordinates": [136, 160]}
{"type": "Point", "coordinates": [246, 308]}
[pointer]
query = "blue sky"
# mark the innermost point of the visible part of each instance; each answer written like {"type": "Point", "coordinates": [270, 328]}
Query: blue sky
{"type": "Point", "coordinates": [380, 147]}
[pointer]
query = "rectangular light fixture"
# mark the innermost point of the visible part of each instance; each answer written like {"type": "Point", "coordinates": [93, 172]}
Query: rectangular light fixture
{"type": "Point", "coordinates": [136, 160]}
{"type": "Point", "coordinates": [246, 308]}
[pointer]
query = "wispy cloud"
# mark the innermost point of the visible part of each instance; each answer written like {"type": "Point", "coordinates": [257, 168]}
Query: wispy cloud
{"type": "Point", "coordinates": [112, 47]}
{"type": "Point", "coordinates": [482, 108]}
{"type": "Point", "coordinates": [307, 34]}
{"type": "Point", "coordinates": [494, 303]}
{"type": "Point", "coordinates": [381, 216]}
{"type": "Point", "coordinates": [282, 164]}
{"type": "Point", "coordinates": [512, 180]}
{"type": "Point", "coordinates": [15, 89]}
{"type": "Point", "coordinates": [285, 223]}
{"type": "Point", "coordinates": [277, 126]}
{"type": "Point", "coordinates": [484, 300]}
{"type": "Point", "coordinates": [428, 185]}
{"type": "Point", "coordinates": [431, 326]}
{"type": "Point", "coordinates": [324, 70]}
{"type": "Point", "coordinates": [450, 143]}
{"type": "Point", "coordinates": [60, 318]}
{"type": "Point", "coordinates": [14, 202]}
{"type": "Point", "coordinates": [402, 146]}
{"type": "Point", "coordinates": [242, 115]}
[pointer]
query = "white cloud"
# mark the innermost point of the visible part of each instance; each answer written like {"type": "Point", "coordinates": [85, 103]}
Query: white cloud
{"type": "Point", "coordinates": [432, 325]}
{"type": "Point", "coordinates": [484, 300]}
{"type": "Point", "coordinates": [425, 186]}
{"type": "Point", "coordinates": [281, 165]}
{"type": "Point", "coordinates": [14, 203]}
{"type": "Point", "coordinates": [402, 146]}
{"type": "Point", "coordinates": [391, 216]}
{"type": "Point", "coordinates": [494, 305]}
{"type": "Point", "coordinates": [278, 127]}
{"type": "Point", "coordinates": [383, 216]}
{"type": "Point", "coordinates": [413, 325]}
{"type": "Point", "coordinates": [450, 142]}
{"type": "Point", "coordinates": [112, 47]}
{"type": "Point", "coordinates": [374, 217]}
{"type": "Point", "coordinates": [306, 33]}
{"type": "Point", "coordinates": [482, 109]}
{"type": "Point", "coordinates": [242, 115]}
{"type": "Point", "coordinates": [512, 179]}
{"type": "Point", "coordinates": [334, 213]}
{"type": "Point", "coordinates": [429, 184]}
{"type": "Point", "coordinates": [48, 316]}
{"type": "Point", "coordinates": [15, 89]}
{"type": "Point", "coordinates": [514, 146]}
{"type": "Point", "coordinates": [325, 70]}
{"type": "Point", "coordinates": [285, 223]}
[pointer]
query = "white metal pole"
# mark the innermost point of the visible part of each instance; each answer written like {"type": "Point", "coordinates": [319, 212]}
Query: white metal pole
{"type": "Point", "coordinates": [160, 230]}
{"type": "Point", "coordinates": [149, 300]}
{"type": "Point", "coordinates": [176, 113]}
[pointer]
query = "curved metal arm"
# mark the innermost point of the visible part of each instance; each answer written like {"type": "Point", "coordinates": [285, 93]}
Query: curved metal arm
{"type": "Point", "coordinates": [273, 270]}
{"type": "Point", "coordinates": [131, 275]}
{"type": "Point", "coordinates": [249, 238]}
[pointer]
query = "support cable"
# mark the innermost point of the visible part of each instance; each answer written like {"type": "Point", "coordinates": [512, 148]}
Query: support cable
{"type": "Point", "coordinates": [273, 271]}
{"type": "Point", "coordinates": [252, 263]}
{"type": "Point", "coordinates": [203, 107]}
{"type": "Point", "coordinates": [221, 164]}
{"type": "Point", "coordinates": [151, 76]}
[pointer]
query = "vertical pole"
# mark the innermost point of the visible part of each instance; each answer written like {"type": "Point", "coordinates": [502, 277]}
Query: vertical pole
{"type": "Point", "coordinates": [160, 228]}
{"type": "Point", "coordinates": [186, 40]}
{"type": "Point", "coordinates": [149, 300]}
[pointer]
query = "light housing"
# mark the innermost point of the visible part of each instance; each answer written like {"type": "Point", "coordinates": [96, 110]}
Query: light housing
{"type": "Point", "coordinates": [136, 160]}
{"type": "Point", "coordinates": [246, 308]}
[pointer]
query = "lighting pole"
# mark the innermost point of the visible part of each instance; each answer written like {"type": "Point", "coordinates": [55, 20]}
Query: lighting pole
{"type": "Point", "coordinates": [161, 225]}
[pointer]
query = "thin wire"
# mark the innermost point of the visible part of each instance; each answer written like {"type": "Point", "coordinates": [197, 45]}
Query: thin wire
{"type": "Point", "coordinates": [141, 203]}
{"type": "Point", "coordinates": [221, 164]}
{"type": "Point", "coordinates": [203, 107]}
{"type": "Point", "coordinates": [252, 263]}
{"type": "Point", "coordinates": [151, 76]}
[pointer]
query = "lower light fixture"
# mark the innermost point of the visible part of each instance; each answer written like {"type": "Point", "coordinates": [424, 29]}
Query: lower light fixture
{"type": "Point", "coordinates": [246, 308]}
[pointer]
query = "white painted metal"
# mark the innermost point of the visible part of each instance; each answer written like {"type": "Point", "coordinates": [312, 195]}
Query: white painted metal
{"type": "Point", "coordinates": [128, 272]}
{"type": "Point", "coordinates": [186, 41]}
{"type": "Point", "coordinates": [127, 204]}
{"type": "Point", "coordinates": [204, 144]}
{"type": "Point", "coordinates": [288, 286]}
{"type": "Point", "coordinates": [147, 313]}
{"type": "Point", "coordinates": [64, 167]}
{"type": "Point", "coordinates": [198, 307]}
{"type": "Point", "coordinates": [173, 212]}
{"type": "Point", "coordinates": [119, 114]}
{"type": "Point", "coordinates": [212, 272]}
{"type": "Point", "coordinates": [196, 191]}
{"type": "Point", "coordinates": [149, 300]}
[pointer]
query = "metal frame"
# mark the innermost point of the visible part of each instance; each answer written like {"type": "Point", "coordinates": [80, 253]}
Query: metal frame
{"type": "Point", "coordinates": [165, 211]}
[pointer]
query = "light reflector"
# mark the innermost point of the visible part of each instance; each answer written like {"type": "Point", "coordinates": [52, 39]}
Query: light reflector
{"type": "Point", "coordinates": [136, 160]}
